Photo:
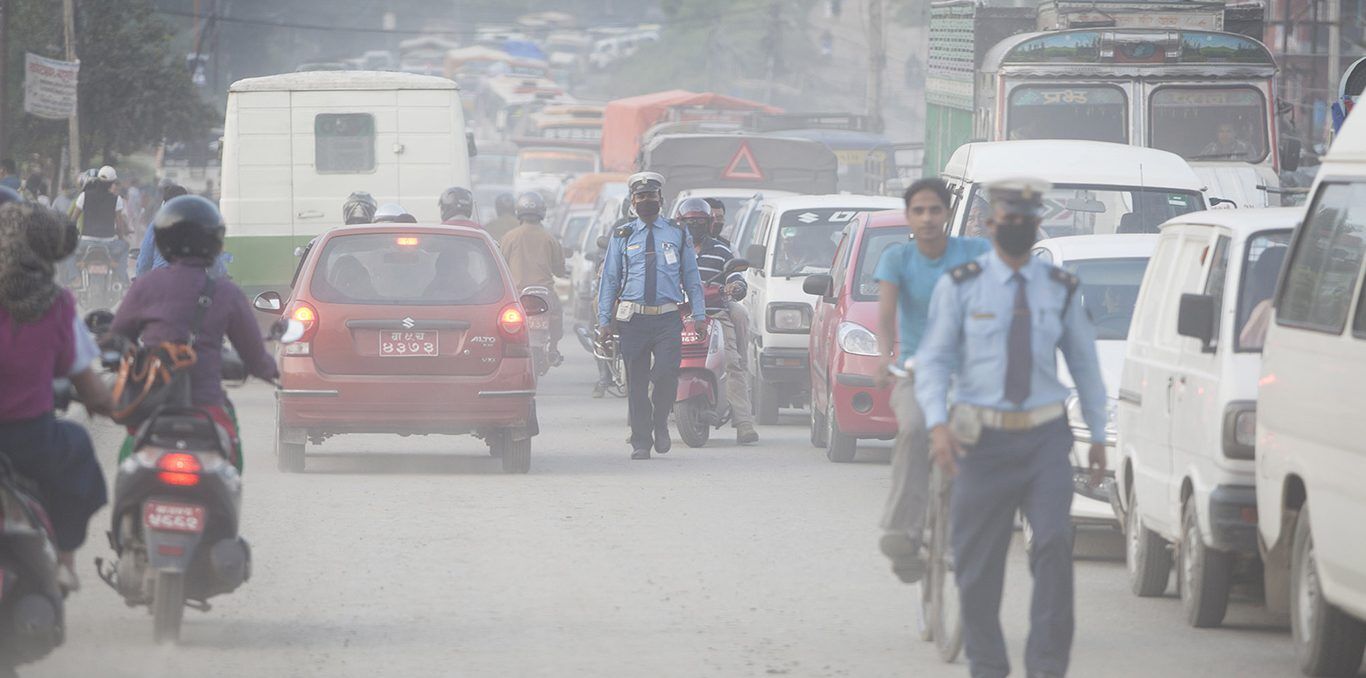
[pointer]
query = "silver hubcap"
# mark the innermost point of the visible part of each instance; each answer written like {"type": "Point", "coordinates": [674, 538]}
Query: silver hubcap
{"type": "Point", "coordinates": [1190, 560]}
{"type": "Point", "coordinates": [1133, 541]}
{"type": "Point", "coordinates": [1308, 592]}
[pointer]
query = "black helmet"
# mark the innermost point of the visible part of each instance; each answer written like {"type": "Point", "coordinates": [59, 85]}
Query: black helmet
{"type": "Point", "coordinates": [189, 226]}
{"type": "Point", "coordinates": [359, 208]}
{"type": "Point", "coordinates": [9, 195]}
{"type": "Point", "coordinates": [504, 203]}
{"type": "Point", "coordinates": [456, 202]}
{"type": "Point", "coordinates": [531, 206]}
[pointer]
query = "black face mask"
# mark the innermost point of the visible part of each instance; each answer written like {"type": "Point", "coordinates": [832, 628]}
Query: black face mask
{"type": "Point", "coordinates": [1016, 236]}
{"type": "Point", "coordinates": [647, 209]}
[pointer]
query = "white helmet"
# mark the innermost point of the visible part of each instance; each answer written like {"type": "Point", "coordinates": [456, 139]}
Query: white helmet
{"type": "Point", "coordinates": [393, 212]}
{"type": "Point", "coordinates": [86, 177]}
{"type": "Point", "coordinates": [107, 173]}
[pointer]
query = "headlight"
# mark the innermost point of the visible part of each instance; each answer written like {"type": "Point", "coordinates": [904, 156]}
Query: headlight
{"type": "Point", "coordinates": [856, 339]}
{"type": "Point", "coordinates": [789, 318]}
{"type": "Point", "coordinates": [1240, 430]}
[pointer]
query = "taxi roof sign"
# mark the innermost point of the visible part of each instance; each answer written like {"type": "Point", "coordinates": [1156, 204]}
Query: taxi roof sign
{"type": "Point", "coordinates": [743, 165]}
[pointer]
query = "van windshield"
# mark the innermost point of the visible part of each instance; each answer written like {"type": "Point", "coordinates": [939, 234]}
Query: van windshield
{"type": "Point", "coordinates": [1261, 269]}
{"type": "Point", "coordinates": [1081, 209]}
{"type": "Point", "coordinates": [418, 269]}
{"type": "Point", "coordinates": [1109, 291]}
{"type": "Point", "coordinates": [807, 240]}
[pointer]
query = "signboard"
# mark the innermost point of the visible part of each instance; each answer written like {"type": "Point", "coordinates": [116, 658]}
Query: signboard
{"type": "Point", "coordinates": [50, 87]}
{"type": "Point", "coordinates": [743, 165]}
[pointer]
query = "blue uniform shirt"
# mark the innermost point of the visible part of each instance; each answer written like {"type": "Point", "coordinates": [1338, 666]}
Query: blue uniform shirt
{"type": "Point", "coordinates": [675, 269]}
{"type": "Point", "coordinates": [149, 257]}
{"type": "Point", "coordinates": [915, 275]}
{"type": "Point", "coordinates": [966, 343]}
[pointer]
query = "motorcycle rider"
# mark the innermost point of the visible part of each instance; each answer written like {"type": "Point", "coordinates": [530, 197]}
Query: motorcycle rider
{"type": "Point", "coordinates": [712, 256]}
{"type": "Point", "coordinates": [359, 208]}
{"type": "Point", "coordinates": [718, 217]}
{"type": "Point", "coordinates": [457, 207]}
{"type": "Point", "coordinates": [101, 213]}
{"type": "Point", "coordinates": [161, 305]}
{"type": "Point", "coordinates": [43, 338]}
{"type": "Point", "coordinates": [504, 206]}
{"type": "Point", "coordinates": [534, 257]}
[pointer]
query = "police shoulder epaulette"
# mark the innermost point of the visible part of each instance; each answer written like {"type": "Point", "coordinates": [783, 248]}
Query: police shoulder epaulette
{"type": "Point", "coordinates": [965, 272]}
{"type": "Point", "coordinates": [1067, 279]}
{"type": "Point", "coordinates": [622, 231]}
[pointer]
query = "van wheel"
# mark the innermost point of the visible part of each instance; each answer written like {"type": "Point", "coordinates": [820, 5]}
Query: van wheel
{"type": "Point", "coordinates": [1204, 575]}
{"type": "Point", "coordinates": [1145, 555]}
{"type": "Point", "coordinates": [765, 402]}
{"type": "Point", "coordinates": [818, 438]}
{"type": "Point", "coordinates": [840, 447]}
{"type": "Point", "coordinates": [515, 454]}
{"type": "Point", "coordinates": [289, 457]}
{"type": "Point", "coordinates": [1327, 641]}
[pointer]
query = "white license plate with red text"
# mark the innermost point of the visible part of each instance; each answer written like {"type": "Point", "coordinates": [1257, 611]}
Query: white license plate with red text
{"type": "Point", "coordinates": [100, 269]}
{"type": "Point", "coordinates": [173, 517]}
{"type": "Point", "coordinates": [403, 344]}
{"type": "Point", "coordinates": [538, 322]}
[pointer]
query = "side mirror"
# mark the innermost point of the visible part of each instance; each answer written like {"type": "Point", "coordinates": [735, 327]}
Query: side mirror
{"type": "Point", "coordinates": [268, 302]}
{"type": "Point", "coordinates": [534, 304]}
{"type": "Point", "coordinates": [757, 256]}
{"type": "Point", "coordinates": [819, 284]}
{"type": "Point", "coordinates": [736, 264]}
{"type": "Point", "coordinates": [1215, 202]}
{"type": "Point", "coordinates": [1290, 154]}
{"type": "Point", "coordinates": [1195, 318]}
{"type": "Point", "coordinates": [99, 322]}
{"type": "Point", "coordinates": [603, 242]}
{"type": "Point", "coordinates": [470, 146]}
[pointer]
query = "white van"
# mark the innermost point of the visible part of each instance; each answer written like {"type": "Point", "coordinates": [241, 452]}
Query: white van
{"type": "Point", "coordinates": [296, 145]}
{"type": "Point", "coordinates": [1188, 401]}
{"type": "Point", "coordinates": [1097, 187]}
{"type": "Point", "coordinates": [794, 237]}
{"type": "Point", "coordinates": [1311, 432]}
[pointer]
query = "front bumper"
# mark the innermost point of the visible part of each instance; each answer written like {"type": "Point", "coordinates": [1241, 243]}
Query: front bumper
{"type": "Point", "coordinates": [861, 408]}
{"type": "Point", "coordinates": [1097, 509]}
{"type": "Point", "coordinates": [1233, 519]}
{"type": "Point", "coordinates": [788, 366]}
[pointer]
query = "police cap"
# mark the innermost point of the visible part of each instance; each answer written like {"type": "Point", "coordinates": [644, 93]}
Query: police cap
{"type": "Point", "coordinates": [1020, 196]}
{"type": "Point", "coordinates": [645, 182]}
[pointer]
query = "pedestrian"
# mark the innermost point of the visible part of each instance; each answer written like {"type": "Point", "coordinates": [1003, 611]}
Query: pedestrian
{"type": "Point", "coordinates": [996, 326]}
{"type": "Point", "coordinates": [150, 258]}
{"type": "Point", "coordinates": [649, 265]}
{"type": "Point", "coordinates": [35, 189]}
{"type": "Point", "coordinates": [9, 174]}
{"type": "Point", "coordinates": [906, 275]}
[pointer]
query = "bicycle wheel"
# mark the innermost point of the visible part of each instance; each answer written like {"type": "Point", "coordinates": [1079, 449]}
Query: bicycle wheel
{"type": "Point", "coordinates": [948, 622]}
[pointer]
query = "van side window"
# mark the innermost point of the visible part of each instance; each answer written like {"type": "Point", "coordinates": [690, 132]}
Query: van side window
{"type": "Point", "coordinates": [1214, 284]}
{"type": "Point", "coordinates": [1321, 276]}
{"type": "Point", "coordinates": [344, 142]}
{"type": "Point", "coordinates": [1148, 308]}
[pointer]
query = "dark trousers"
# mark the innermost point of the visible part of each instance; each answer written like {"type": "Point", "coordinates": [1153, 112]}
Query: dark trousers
{"type": "Point", "coordinates": [59, 457]}
{"type": "Point", "coordinates": [651, 346]}
{"type": "Point", "coordinates": [1006, 471]}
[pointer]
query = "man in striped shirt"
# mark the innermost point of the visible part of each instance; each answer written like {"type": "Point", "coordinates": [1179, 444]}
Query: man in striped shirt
{"type": "Point", "coordinates": [712, 256]}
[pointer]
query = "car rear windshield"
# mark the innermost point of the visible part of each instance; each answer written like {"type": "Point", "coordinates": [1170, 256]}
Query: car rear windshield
{"type": "Point", "coordinates": [419, 269]}
{"type": "Point", "coordinates": [807, 239]}
{"type": "Point", "coordinates": [875, 243]}
{"type": "Point", "coordinates": [1109, 290]}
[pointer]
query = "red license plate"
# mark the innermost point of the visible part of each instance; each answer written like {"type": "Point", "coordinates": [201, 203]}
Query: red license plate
{"type": "Point", "coordinates": [98, 268]}
{"type": "Point", "coordinates": [404, 344]}
{"type": "Point", "coordinates": [538, 322]}
{"type": "Point", "coordinates": [173, 517]}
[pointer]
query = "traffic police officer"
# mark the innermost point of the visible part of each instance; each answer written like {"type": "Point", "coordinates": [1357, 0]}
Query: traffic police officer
{"type": "Point", "coordinates": [996, 325]}
{"type": "Point", "coordinates": [650, 263]}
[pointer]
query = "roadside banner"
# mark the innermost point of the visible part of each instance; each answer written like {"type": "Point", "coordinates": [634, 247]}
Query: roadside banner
{"type": "Point", "coordinates": [50, 87]}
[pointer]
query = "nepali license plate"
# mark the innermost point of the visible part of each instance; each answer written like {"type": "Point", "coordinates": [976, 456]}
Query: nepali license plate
{"type": "Point", "coordinates": [539, 322]}
{"type": "Point", "coordinates": [98, 268]}
{"type": "Point", "coordinates": [173, 517]}
{"type": "Point", "coordinates": [404, 344]}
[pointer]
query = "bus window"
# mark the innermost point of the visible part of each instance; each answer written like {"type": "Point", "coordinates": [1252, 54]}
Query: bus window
{"type": "Point", "coordinates": [1210, 123]}
{"type": "Point", "coordinates": [1091, 113]}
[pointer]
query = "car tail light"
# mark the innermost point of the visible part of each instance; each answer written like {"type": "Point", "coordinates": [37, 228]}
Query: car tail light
{"type": "Point", "coordinates": [179, 468]}
{"type": "Point", "coordinates": [306, 315]}
{"type": "Point", "coordinates": [512, 322]}
{"type": "Point", "coordinates": [406, 241]}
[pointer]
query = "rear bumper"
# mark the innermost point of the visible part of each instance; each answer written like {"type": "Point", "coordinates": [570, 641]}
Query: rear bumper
{"type": "Point", "coordinates": [1233, 519]}
{"type": "Point", "coordinates": [325, 404]}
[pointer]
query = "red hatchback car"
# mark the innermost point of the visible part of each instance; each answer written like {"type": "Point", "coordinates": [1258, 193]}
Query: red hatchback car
{"type": "Point", "coordinates": [408, 329]}
{"type": "Point", "coordinates": [845, 403]}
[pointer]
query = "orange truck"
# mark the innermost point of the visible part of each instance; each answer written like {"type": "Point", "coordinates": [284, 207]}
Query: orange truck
{"type": "Point", "coordinates": [626, 121]}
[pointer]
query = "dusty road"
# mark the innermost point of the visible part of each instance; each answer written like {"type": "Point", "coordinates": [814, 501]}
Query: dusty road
{"type": "Point", "coordinates": [417, 557]}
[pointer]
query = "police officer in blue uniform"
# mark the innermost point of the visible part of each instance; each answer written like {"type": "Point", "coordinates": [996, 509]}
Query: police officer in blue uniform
{"type": "Point", "coordinates": [996, 325]}
{"type": "Point", "coordinates": [650, 263]}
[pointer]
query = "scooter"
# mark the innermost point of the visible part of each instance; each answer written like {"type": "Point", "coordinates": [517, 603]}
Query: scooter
{"type": "Point", "coordinates": [175, 514]}
{"type": "Point", "coordinates": [100, 285]}
{"type": "Point", "coordinates": [32, 610]}
{"type": "Point", "coordinates": [701, 404]}
{"type": "Point", "coordinates": [539, 326]}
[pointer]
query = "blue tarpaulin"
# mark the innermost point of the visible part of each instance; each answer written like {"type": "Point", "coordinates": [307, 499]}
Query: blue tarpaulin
{"type": "Point", "coordinates": [523, 49]}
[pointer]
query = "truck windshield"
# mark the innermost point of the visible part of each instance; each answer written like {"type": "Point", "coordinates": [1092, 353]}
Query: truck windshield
{"type": "Point", "coordinates": [1079, 209]}
{"type": "Point", "coordinates": [1090, 113]}
{"type": "Point", "coordinates": [1210, 123]}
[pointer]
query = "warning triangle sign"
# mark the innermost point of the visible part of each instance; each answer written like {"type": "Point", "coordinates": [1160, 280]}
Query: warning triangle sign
{"type": "Point", "coordinates": [743, 165]}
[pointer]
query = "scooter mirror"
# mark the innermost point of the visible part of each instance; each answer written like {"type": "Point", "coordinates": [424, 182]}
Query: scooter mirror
{"type": "Point", "coordinates": [99, 321]}
{"type": "Point", "coordinates": [294, 331]}
{"type": "Point", "coordinates": [534, 304]}
{"type": "Point", "coordinates": [736, 264]}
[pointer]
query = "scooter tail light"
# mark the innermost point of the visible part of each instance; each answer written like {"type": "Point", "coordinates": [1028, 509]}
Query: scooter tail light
{"type": "Point", "coordinates": [179, 468]}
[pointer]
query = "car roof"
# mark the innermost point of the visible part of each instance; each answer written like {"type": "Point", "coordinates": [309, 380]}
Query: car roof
{"type": "Point", "coordinates": [413, 229]}
{"type": "Point", "coordinates": [886, 219]}
{"type": "Point", "coordinates": [1065, 161]}
{"type": "Point", "coordinates": [1075, 247]}
{"type": "Point", "coordinates": [732, 192]}
{"type": "Point", "coordinates": [1243, 221]}
{"type": "Point", "coordinates": [341, 80]}
{"type": "Point", "coordinates": [849, 200]}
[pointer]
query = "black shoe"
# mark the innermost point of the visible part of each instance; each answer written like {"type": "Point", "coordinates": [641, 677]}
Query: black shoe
{"type": "Point", "coordinates": [663, 443]}
{"type": "Point", "coordinates": [905, 553]}
{"type": "Point", "coordinates": [640, 454]}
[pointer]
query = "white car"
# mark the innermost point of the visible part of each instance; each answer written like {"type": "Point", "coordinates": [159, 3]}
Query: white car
{"type": "Point", "coordinates": [583, 272]}
{"type": "Point", "coordinates": [1111, 269]}
{"type": "Point", "coordinates": [1188, 404]}
{"type": "Point", "coordinates": [793, 237]}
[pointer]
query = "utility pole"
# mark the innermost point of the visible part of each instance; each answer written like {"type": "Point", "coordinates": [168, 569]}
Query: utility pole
{"type": "Point", "coordinates": [1334, 46]}
{"type": "Point", "coordinates": [775, 45]}
{"type": "Point", "coordinates": [877, 62]}
{"type": "Point", "coordinates": [4, 84]}
{"type": "Point", "coordinates": [74, 122]}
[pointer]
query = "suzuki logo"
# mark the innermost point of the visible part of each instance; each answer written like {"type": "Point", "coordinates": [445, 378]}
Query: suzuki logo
{"type": "Point", "coordinates": [408, 323]}
{"type": "Point", "coordinates": [808, 217]}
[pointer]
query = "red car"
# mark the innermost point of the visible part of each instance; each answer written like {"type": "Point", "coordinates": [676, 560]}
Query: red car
{"type": "Point", "coordinates": [845, 403]}
{"type": "Point", "coordinates": [408, 329]}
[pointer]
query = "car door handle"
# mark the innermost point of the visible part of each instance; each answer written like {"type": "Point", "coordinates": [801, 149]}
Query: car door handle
{"type": "Point", "coordinates": [310, 214]}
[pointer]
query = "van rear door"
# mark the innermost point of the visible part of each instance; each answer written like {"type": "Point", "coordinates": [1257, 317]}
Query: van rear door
{"type": "Point", "coordinates": [342, 142]}
{"type": "Point", "coordinates": [430, 152]}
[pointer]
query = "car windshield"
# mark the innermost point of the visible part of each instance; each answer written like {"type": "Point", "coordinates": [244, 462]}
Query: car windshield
{"type": "Point", "coordinates": [1261, 270]}
{"type": "Point", "coordinates": [1109, 290]}
{"type": "Point", "coordinates": [1073, 209]}
{"type": "Point", "coordinates": [1210, 123]}
{"type": "Point", "coordinates": [875, 242]}
{"type": "Point", "coordinates": [807, 239]}
{"type": "Point", "coordinates": [557, 163]}
{"type": "Point", "coordinates": [418, 269]}
{"type": "Point", "coordinates": [574, 229]}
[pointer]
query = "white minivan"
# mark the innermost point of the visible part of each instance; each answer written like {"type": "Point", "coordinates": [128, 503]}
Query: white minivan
{"type": "Point", "coordinates": [1188, 403]}
{"type": "Point", "coordinates": [794, 237]}
{"type": "Point", "coordinates": [1311, 429]}
{"type": "Point", "coordinates": [296, 145]}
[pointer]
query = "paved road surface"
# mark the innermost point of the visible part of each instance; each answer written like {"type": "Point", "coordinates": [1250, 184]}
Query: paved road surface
{"type": "Point", "coordinates": [417, 557]}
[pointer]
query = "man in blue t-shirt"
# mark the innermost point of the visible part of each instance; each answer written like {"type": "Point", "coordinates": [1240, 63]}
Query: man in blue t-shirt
{"type": "Point", "coordinates": [906, 276]}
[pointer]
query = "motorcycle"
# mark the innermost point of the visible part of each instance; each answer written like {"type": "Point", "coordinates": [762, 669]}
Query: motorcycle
{"type": "Point", "coordinates": [539, 327]}
{"type": "Point", "coordinates": [177, 501]}
{"type": "Point", "coordinates": [701, 404]}
{"type": "Point", "coordinates": [99, 285]}
{"type": "Point", "coordinates": [32, 609]}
